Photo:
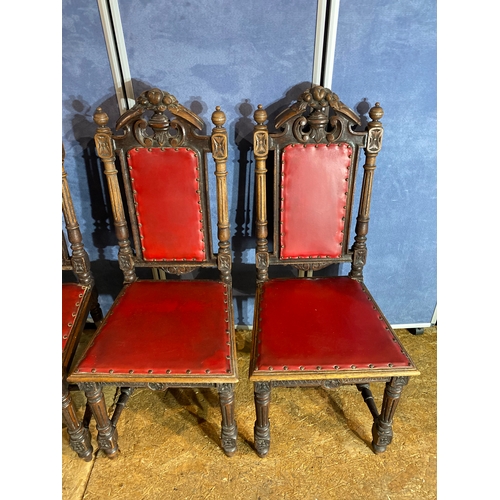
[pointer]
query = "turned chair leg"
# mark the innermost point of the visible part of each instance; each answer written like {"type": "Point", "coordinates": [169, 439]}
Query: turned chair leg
{"type": "Point", "coordinates": [262, 432]}
{"type": "Point", "coordinates": [125, 394]}
{"type": "Point", "coordinates": [107, 435]}
{"type": "Point", "coordinates": [95, 308]}
{"type": "Point", "coordinates": [79, 436]}
{"type": "Point", "coordinates": [382, 425]}
{"type": "Point", "coordinates": [229, 431]}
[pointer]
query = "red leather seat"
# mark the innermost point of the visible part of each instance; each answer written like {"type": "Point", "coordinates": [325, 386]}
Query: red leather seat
{"type": "Point", "coordinates": [322, 324]}
{"type": "Point", "coordinates": [74, 300]}
{"type": "Point", "coordinates": [160, 327]}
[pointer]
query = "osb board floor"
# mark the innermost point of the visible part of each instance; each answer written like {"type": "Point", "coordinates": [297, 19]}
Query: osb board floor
{"type": "Point", "coordinates": [320, 446]}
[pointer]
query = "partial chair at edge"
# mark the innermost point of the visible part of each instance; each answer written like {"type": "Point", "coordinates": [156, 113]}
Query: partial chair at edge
{"type": "Point", "coordinates": [319, 331]}
{"type": "Point", "coordinates": [79, 299]}
{"type": "Point", "coordinates": [164, 333]}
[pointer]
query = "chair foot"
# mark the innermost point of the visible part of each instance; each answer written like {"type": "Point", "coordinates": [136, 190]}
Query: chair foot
{"type": "Point", "coordinates": [229, 429]}
{"type": "Point", "coordinates": [229, 446]}
{"type": "Point", "coordinates": [262, 440]}
{"type": "Point", "coordinates": [382, 437]}
{"type": "Point", "coordinates": [262, 428]}
{"type": "Point", "coordinates": [382, 425]}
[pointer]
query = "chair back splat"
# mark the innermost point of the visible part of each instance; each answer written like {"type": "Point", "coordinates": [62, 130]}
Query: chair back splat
{"type": "Point", "coordinates": [325, 331]}
{"type": "Point", "coordinates": [175, 332]}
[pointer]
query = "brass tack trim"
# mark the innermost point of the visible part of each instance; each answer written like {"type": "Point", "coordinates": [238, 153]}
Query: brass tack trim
{"type": "Point", "coordinates": [150, 371]}
{"type": "Point", "coordinates": [301, 367]}
{"type": "Point", "coordinates": [131, 371]}
{"type": "Point", "coordinates": [207, 371]}
{"type": "Point", "coordinates": [353, 367]}
{"type": "Point", "coordinates": [168, 371]}
{"type": "Point", "coordinates": [271, 368]}
{"type": "Point", "coordinates": [390, 365]}
{"type": "Point", "coordinates": [65, 336]}
{"type": "Point", "coordinates": [285, 367]}
{"type": "Point", "coordinates": [111, 371]}
{"type": "Point", "coordinates": [371, 366]}
{"type": "Point", "coordinates": [336, 367]}
{"type": "Point", "coordinates": [188, 371]}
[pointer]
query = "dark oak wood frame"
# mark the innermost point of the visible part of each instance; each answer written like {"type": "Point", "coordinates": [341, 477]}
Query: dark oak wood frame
{"type": "Point", "coordinates": [76, 260]}
{"type": "Point", "coordinates": [319, 117]}
{"type": "Point", "coordinates": [146, 125]}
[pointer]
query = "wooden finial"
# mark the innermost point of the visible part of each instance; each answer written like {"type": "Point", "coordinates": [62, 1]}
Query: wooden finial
{"type": "Point", "coordinates": [218, 117]}
{"type": "Point", "coordinates": [100, 117]}
{"type": "Point", "coordinates": [376, 112]}
{"type": "Point", "coordinates": [260, 115]}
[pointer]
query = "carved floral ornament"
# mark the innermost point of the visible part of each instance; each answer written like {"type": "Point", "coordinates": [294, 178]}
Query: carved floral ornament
{"type": "Point", "coordinates": [159, 102]}
{"type": "Point", "coordinates": [318, 125]}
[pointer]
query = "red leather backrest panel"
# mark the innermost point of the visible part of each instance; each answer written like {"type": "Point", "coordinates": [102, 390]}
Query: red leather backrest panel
{"type": "Point", "coordinates": [314, 182]}
{"type": "Point", "coordinates": [168, 204]}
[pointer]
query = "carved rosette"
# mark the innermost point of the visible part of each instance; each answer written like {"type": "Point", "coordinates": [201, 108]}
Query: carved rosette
{"type": "Point", "coordinates": [219, 146]}
{"type": "Point", "coordinates": [81, 265]}
{"type": "Point", "coordinates": [178, 270]}
{"type": "Point", "coordinates": [104, 145]}
{"type": "Point", "coordinates": [359, 258]}
{"type": "Point", "coordinates": [311, 266]}
{"type": "Point", "coordinates": [261, 143]}
{"type": "Point", "coordinates": [157, 386]}
{"type": "Point", "coordinates": [224, 262]}
{"type": "Point", "coordinates": [262, 260]}
{"type": "Point", "coordinates": [126, 262]}
{"type": "Point", "coordinates": [374, 140]}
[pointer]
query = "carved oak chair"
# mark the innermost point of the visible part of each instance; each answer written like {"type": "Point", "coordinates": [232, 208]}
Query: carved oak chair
{"type": "Point", "coordinates": [79, 299]}
{"type": "Point", "coordinates": [319, 331]}
{"type": "Point", "coordinates": [162, 333]}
